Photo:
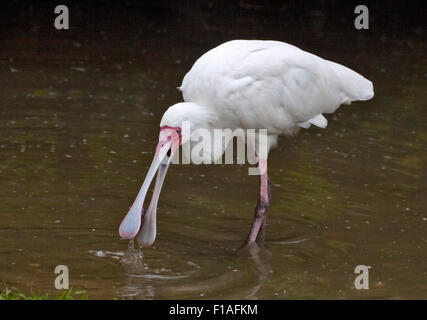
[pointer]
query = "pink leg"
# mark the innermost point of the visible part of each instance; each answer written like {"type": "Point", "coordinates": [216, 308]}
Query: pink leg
{"type": "Point", "coordinates": [263, 202]}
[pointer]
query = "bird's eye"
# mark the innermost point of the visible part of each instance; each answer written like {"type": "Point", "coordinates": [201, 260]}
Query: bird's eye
{"type": "Point", "coordinates": [178, 130]}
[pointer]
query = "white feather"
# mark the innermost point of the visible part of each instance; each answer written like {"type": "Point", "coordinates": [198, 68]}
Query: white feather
{"type": "Point", "coordinates": [319, 121]}
{"type": "Point", "coordinates": [270, 84]}
{"type": "Point", "coordinates": [254, 84]}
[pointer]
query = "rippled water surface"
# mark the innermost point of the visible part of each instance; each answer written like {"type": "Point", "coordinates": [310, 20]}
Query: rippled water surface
{"type": "Point", "coordinates": [79, 117]}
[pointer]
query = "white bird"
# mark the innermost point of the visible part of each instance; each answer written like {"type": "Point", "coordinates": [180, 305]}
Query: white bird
{"type": "Point", "coordinates": [247, 84]}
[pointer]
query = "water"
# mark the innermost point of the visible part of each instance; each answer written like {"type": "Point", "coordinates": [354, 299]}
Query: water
{"type": "Point", "coordinates": [79, 119]}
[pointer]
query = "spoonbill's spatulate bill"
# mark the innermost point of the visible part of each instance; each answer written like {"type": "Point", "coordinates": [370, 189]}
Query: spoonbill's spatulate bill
{"type": "Point", "coordinates": [246, 84]}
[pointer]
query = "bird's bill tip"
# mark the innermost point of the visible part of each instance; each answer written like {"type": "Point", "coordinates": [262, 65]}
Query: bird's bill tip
{"type": "Point", "coordinates": [131, 224]}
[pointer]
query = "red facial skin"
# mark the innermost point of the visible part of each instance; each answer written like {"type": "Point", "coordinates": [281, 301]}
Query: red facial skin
{"type": "Point", "coordinates": [172, 134]}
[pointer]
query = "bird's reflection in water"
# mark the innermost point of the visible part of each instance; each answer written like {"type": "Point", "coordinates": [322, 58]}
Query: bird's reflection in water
{"type": "Point", "coordinates": [261, 259]}
{"type": "Point", "coordinates": [134, 267]}
{"type": "Point", "coordinates": [142, 281]}
{"type": "Point", "coordinates": [133, 260]}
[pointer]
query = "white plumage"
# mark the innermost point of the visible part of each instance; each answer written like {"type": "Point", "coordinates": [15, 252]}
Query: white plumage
{"type": "Point", "coordinates": [248, 84]}
{"type": "Point", "coordinates": [271, 85]}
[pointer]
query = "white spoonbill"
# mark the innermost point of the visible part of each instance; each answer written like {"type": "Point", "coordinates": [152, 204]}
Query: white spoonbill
{"type": "Point", "coordinates": [247, 84]}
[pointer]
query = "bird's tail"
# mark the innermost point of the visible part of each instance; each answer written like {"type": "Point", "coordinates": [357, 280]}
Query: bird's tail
{"type": "Point", "coordinates": [353, 85]}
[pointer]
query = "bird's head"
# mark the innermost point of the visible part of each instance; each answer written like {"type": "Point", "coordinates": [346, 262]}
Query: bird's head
{"type": "Point", "coordinates": [171, 136]}
{"type": "Point", "coordinates": [185, 118]}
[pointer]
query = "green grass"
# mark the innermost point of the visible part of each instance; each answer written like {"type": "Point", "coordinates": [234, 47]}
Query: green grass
{"type": "Point", "coordinates": [9, 294]}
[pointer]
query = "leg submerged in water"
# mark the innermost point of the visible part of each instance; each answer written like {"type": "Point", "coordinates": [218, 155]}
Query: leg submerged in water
{"type": "Point", "coordinates": [261, 209]}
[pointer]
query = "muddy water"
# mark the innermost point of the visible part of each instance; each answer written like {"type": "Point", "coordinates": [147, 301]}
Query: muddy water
{"type": "Point", "coordinates": [79, 122]}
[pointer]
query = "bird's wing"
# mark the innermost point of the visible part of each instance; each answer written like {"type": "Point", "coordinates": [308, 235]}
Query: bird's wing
{"type": "Point", "coordinates": [271, 84]}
